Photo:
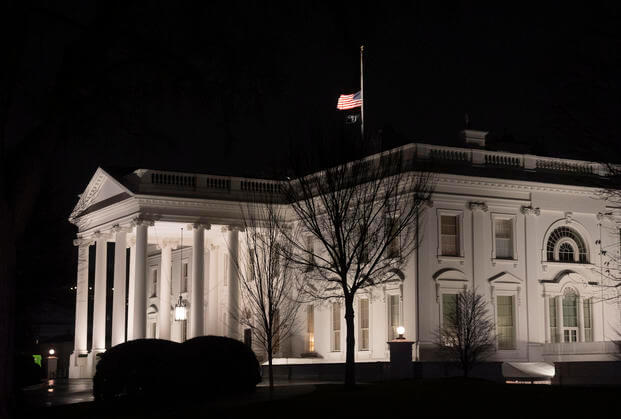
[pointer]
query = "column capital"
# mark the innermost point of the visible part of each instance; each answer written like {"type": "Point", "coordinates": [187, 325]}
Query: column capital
{"type": "Point", "coordinates": [477, 206]}
{"type": "Point", "coordinates": [83, 241]}
{"type": "Point", "coordinates": [530, 210]}
{"type": "Point", "coordinates": [168, 243]}
{"type": "Point", "coordinates": [117, 228]}
{"type": "Point", "coordinates": [232, 227]}
{"type": "Point", "coordinates": [199, 224]}
{"type": "Point", "coordinates": [104, 235]}
{"type": "Point", "coordinates": [142, 220]}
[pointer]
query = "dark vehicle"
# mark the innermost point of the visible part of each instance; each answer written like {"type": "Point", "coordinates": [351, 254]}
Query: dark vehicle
{"type": "Point", "coordinates": [151, 367]}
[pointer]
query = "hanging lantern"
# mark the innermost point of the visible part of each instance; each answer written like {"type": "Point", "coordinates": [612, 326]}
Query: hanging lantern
{"type": "Point", "coordinates": [181, 312]}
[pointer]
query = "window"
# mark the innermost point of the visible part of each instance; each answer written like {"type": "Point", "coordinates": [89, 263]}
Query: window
{"type": "Point", "coordinates": [566, 245]}
{"type": "Point", "coordinates": [184, 277]}
{"type": "Point", "coordinates": [588, 326]}
{"type": "Point", "coordinates": [248, 337]}
{"type": "Point", "coordinates": [449, 235]}
{"type": "Point", "coordinates": [505, 322]}
{"type": "Point", "coordinates": [503, 238]}
{"type": "Point", "coordinates": [554, 338]}
{"type": "Point", "coordinates": [154, 283]}
{"type": "Point", "coordinates": [393, 247]}
{"type": "Point", "coordinates": [154, 330]}
{"type": "Point", "coordinates": [336, 327]}
{"type": "Point", "coordinates": [310, 328]}
{"type": "Point", "coordinates": [449, 309]}
{"type": "Point", "coordinates": [363, 324]}
{"type": "Point", "coordinates": [570, 316]}
{"type": "Point", "coordinates": [394, 315]}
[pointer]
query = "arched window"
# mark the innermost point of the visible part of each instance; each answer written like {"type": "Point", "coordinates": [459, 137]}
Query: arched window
{"type": "Point", "coordinates": [566, 245]}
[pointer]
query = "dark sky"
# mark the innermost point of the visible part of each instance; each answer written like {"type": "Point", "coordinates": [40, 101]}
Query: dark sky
{"type": "Point", "coordinates": [234, 87]}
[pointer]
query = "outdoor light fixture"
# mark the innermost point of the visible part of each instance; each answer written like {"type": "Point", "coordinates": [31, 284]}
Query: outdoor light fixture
{"type": "Point", "coordinates": [181, 312]}
{"type": "Point", "coordinates": [400, 332]}
{"type": "Point", "coordinates": [51, 351]}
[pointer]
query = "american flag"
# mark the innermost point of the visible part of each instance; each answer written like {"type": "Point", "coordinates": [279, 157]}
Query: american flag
{"type": "Point", "coordinates": [349, 101]}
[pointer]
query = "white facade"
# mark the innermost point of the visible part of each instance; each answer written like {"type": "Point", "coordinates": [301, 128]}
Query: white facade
{"type": "Point", "coordinates": [528, 239]}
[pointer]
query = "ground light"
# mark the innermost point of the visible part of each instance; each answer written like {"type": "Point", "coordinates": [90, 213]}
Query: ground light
{"type": "Point", "coordinates": [401, 332]}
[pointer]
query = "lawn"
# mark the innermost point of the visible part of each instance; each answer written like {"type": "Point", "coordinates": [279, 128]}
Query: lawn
{"type": "Point", "coordinates": [412, 398]}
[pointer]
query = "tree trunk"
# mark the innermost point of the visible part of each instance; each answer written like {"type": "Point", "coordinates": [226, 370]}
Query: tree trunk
{"type": "Point", "coordinates": [270, 367]}
{"type": "Point", "coordinates": [350, 361]}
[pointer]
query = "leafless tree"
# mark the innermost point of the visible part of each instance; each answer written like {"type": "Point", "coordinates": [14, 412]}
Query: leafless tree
{"type": "Point", "coordinates": [357, 224]}
{"type": "Point", "coordinates": [267, 285]}
{"type": "Point", "coordinates": [467, 334]}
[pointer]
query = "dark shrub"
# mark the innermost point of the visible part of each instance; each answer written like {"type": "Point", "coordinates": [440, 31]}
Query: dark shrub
{"type": "Point", "coordinates": [137, 367]}
{"type": "Point", "coordinates": [27, 372]}
{"type": "Point", "coordinates": [219, 364]}
{"type": "Point", "coordinates": [150, 367]}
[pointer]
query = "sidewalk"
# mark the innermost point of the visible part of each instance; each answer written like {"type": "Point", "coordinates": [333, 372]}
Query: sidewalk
{"type": "Point", "coordinates": [70, 391]}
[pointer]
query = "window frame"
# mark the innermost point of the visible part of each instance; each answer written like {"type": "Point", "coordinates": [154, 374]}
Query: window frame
{"type": "Point", "coordinates": [359, 327]}
{"type": "Point", "coordinates": [505, 217]}
{"type": "Point", "coordinates": [514, 314]}
{"type": "Point", "coordinates": [154, 281]}
{"type": "Point", "coordinates": [391, 335]}
{"type": "Point", "coordinates": [333, 340]}
{"type": "Point", "coordinates": [459, 215]}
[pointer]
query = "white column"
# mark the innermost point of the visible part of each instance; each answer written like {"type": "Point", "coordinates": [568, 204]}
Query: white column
{"type": "Point", "coordinates": [581, 319]}
{"type": "Point", "coordinates": [131, 286]}
{"type": "Point", "coordinates": [99, 306]}
{"type": "Point", "coordinates": [233, 317]}
{"type": "Point", "coordinates": [198, 269]}
{"type": "Point", "coordinates": [165, 279]}
{"type": "Point", "coordinates": [214, 292]}
{"type": "Point", "coordinates": [77, 367]}
{"type": "Point", "coordinates": [118, 302]}
{"type": "Point", "coordinates": [546, 310]}
{"type": "Point", "coordinates": [140, 281]}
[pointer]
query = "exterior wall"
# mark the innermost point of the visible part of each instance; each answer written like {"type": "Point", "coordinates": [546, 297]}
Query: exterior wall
{"type": "Point", "coordinates": [535, 210]}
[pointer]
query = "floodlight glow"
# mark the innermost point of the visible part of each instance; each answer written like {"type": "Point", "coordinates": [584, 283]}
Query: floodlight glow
{"type": "Point", "coordinates": [51, 351]}
{"type": "Point", "coordinates": [401, 332]}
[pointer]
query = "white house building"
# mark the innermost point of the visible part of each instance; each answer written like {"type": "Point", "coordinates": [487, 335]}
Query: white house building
{"type": "Point", "coordinates": [532, 234]}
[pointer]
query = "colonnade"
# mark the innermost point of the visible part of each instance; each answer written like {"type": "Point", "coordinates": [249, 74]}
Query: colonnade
{"type": "Point", "coordinates": [83, 361]}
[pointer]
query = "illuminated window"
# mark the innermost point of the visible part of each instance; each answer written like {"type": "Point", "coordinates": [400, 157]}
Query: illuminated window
{"type": "Point", "coordinates": [394, 315]}
{"type": "Point", "coordinates": [570, 316]}
{"type": "Point", "coordinates": [449, 309]}
{"type": "Point", "coordinates": [505, 322]}
{"type": "Point", "coordinates": [449, 235]}
{"type": "Point", "coordinates": [363, 324]}
{"type": "Point", "coordinates": [336, 327]}
{"type": "Point", "coordinates": [310, 328]}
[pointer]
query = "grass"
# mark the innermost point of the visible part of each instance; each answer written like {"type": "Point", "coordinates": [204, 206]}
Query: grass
{"type": "Point", "coordinates": [421, 398]}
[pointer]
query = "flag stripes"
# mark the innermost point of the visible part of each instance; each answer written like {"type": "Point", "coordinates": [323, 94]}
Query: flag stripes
{"type": "Point", "coordinates": [349, 101]}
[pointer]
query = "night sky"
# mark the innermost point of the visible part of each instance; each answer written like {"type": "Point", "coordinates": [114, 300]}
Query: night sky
{"type": "Point", "coordinates": [236, 87]}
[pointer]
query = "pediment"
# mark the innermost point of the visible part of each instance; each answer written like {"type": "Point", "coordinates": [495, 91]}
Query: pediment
{"type": "Point", "coordinates": [504, 278]}
{"type": "Point", "coordinates": [449, 274]}
{"type": "Point", "coordinates": [102, 189]}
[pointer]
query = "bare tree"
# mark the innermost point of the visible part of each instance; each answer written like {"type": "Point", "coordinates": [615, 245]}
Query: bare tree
{"type": "Point", "coordinates": [268, 288]}
{"type": "Point", "coordinates": [357, 224]}
{"type": "Point", "coordinates": [467, 334]}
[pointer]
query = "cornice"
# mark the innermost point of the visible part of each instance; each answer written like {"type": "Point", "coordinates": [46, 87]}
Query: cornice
{"type": "Point", "coordinates": [510, 184]}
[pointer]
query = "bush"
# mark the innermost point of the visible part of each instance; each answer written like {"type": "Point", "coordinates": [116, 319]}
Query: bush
{"type": "Point", "coordinates": [151, 367]}
{"type": "Point", "coordinates": [219, 364]}
{"type": "Point", "coordinates": [137, 367]}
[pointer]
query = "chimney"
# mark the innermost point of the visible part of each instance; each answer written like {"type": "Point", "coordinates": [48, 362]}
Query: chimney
{"type": "Point", "coordinates": [474, 138]}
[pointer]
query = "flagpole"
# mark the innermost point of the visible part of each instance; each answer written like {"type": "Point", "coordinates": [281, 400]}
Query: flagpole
{"type": "Point", "coordinates": [362, 92]}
